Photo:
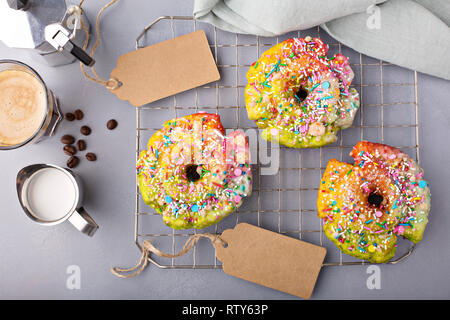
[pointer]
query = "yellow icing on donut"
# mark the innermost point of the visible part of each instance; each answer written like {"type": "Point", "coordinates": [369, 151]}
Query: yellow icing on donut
{"type": "Point", "coordinates": [294, 85]}
{"type": "Point", "coordinates": [192, 174]}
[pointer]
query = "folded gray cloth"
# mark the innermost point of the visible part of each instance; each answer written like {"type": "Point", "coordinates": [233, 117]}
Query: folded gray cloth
{"type": "Point", "coordinates": [414, 34]}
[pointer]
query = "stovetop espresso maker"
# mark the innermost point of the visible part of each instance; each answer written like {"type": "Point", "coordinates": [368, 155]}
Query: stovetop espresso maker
{"type": "Point", "coordinates": [51, 29]}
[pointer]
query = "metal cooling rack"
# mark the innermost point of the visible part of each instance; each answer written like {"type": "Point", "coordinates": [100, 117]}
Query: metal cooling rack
{"type": "Point", "coordinates": [284, 202]}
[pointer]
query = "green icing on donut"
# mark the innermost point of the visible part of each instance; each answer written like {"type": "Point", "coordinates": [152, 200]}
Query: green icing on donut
{"type": "Point", "coordinates": [192, 174]}
{"type": "Point", "coordinates": [298, 96]}
{"type": "Point", "coordinates": [365, 207]}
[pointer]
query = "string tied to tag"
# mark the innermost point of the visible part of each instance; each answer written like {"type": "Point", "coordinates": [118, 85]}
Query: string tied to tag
{"type": "Point", "coordinates": [148, 247]}
{"type": "Point", "coordinates": [112, 83]}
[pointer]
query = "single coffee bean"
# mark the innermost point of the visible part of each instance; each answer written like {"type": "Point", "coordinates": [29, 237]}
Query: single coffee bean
{"type": "Point", "coordinates": [85, 130]}
{"type": "Point", "coordinates": [70, 116]}
{"type": "Point", "coordinates": [111, 124]}
{"type": "Point", "coordinates": [78, 114]}
{"type": "Point", "coordinates": [69, 150]}
{"type": "Point", "coordinates": [67, 139]}
{"type": "Point", "coordinates": [91, 156]}
{"type": "Point", "coordinates": [73, 162]}
{"type": "Point", "coordinates": [81, 145]}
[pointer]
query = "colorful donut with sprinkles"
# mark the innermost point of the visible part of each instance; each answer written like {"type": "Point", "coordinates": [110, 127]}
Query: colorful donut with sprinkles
{"type": "Point", "coordinates": [298, 96]}
{"type": "Point", "coordinates": [192, 173]}
{"type": "Point", "coordinates": [366, 206]}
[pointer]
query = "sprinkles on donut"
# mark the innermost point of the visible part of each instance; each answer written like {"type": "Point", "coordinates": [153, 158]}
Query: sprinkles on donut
{"type": "Point", "coordinates": [192, 173]}
{"type": "Point", "coordinates": [298, 96]}
{"type": "Point", "coordinates": [366, 206]}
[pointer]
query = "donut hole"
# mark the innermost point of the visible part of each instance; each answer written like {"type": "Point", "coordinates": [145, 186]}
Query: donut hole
{"type": "Point", "coordinates": [375, 199]}
{"type": "Point", "coordinates": [191, 172]}
{"type": "Point", "coordinates": [301, 94]}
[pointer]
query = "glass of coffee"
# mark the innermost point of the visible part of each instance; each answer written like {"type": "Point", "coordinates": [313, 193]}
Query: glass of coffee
{"type": "Point", "coordinates": [29, 111]}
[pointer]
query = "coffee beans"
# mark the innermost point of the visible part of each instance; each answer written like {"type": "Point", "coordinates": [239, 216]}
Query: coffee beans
{"type": "Point", "coordinates": [78, 114]}
{"type": "Point", "coordinates": [73, 162]}
{"type": "Point", "coordinates": [67, 139]}
{"type": "Point", "coordinates": [81, 145]}
{"type": "Point", "coordinates": [85, 130]}
{"type": "Point", "coordinates": [70, 116]}
{"type": "Point", "coordinates": [111, 124]}
{"type": "Point", "coordinates": [91, 156]}
{"type": "Point", "coordinates": [69, 150]}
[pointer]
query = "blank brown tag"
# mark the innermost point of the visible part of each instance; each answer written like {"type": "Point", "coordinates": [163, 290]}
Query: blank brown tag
{"type": "Point", "coordinates": [271, 259]}
{"type": "Point", "coordinates": [164, 69]}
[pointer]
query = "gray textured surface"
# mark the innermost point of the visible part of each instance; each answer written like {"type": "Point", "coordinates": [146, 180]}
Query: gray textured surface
{"type": "Point", "coordinates": [34, 259]}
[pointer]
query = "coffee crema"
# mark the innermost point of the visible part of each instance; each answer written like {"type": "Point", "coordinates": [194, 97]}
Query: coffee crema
{"type": "Point", "coordinates": [23, 105]}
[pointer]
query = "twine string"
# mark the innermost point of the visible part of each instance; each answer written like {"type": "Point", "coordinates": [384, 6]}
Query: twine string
{"type": "Point", "coordinates": [110, 84]}
{"type": "Point", "coordinates": [148, 247]}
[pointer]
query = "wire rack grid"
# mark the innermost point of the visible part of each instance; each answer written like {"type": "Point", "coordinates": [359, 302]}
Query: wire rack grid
{"type": "Point", "coordinates": [286, 201]}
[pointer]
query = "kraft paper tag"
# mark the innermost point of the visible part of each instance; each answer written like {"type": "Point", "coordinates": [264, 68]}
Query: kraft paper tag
{"type": "Point", "coordinates": [164, 69]}
{"type": "Point", "coordinates": [271, 259]}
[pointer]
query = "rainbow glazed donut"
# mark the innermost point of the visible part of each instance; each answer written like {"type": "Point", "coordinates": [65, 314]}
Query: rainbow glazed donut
{"type": "Point", "coordinates": [366, 206]}
{"type": "Point", "coordinates": [192, 174]}
{"type": "Point", "coordinates": [298, 96]}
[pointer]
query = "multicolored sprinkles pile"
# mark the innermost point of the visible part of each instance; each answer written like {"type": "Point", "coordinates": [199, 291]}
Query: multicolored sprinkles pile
{"type": "Point", "coordinates": [298, 96]}
{"type": "Point", "coordinates": [365, 206]}
{"type": "Point", "coordinates": [192, 174]}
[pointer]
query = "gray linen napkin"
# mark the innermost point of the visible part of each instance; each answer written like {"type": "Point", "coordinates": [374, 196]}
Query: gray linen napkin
{"type": "Point", "coordinates": [414, 34]}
